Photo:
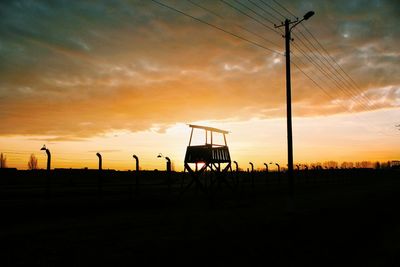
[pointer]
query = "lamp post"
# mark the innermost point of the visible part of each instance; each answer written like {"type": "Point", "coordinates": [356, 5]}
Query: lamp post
{"type": "Point", "coordinates": [48, 156]}
{"type": "Point", "coordinates": [137, 174]}
{"type": "Point", "coordinates": [236, 181]}
{"type": "Point", "coordinates": [100, 161]}
{"type": "Point", "coordinates": [252, 166]}
{"type": "Point", "coordinates": [236, 164]}
{"type": "Point", "coordinates": [168, 170]}
{"type": "Point", "coordinates": [288, 28]}
{"type": "Point", "coordinates": [266, 176]}
{"type": "Point", "coordinates": [168, 161]}
{"type": "Point", "coordinates": [137, 162]}
{"type": "Point", "coordinates": [252, 174]}
{"type": "Point", "coordinates": [277, 165]}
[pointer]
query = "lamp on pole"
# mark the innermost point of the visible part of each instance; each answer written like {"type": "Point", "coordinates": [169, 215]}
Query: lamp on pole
{"type": "Point", "coordinates": [168, 170]}
{"type": "Point", "coordinates": [137, 162]}
{"type": "Point", "coordinates": [100, 161]}
{"type": "Point", "coordinates": [252, 166]}
{"type": "Point", "coordinates": [48, 156]}
{"type": "Point", "coordinates": [168, 161]}
{"type": "Point", "coordinates": [277, 165]}
{"type": "Point", "coordinates": [236, 164]}
{"type": "Point", "coordinates": [288, 28]}
{"type": "Point", "coordinates": [266, 167]}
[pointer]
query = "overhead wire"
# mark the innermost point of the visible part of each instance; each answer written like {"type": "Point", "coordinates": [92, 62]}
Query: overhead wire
{"type": "Point", "coordinates": [349, 78]}
{"type": "Point", "coordinates": [297, 58]}
{"type": "Point", "coordinates": [348, 83]}
{"type": "Point", "coordinates": [264, 10]}
{"type": "Point", "coordinates": [272, 8]}
{"type": "Point", "coordinates": [220, 28]}
{"type": "Point", "coordinates": [341, 83]}
{"type": "Point", "coordinates": [338, 81]}
{"type": "Point", "coordinates": [255, 12]}
{"type": "Point", "coordinates": [284, 8]}
{"type": "Point", "coordinates": [236, 25]}
{"type": "Point", "coordinates": [217, 27]}
{"type": "Point", "coordinates": [247, 15]}
{"type": "Point", "coordinates": [252, 42]}
{"type": "Point", "coordinates": [324, 71]}
{"type": "Point", "coordinates": [347, 109]}
{"type": "Point", "coordinates": [205, 9]}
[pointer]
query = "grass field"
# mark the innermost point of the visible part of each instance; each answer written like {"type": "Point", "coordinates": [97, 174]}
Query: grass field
{"type": "Point", "coordinates": [76, 218]}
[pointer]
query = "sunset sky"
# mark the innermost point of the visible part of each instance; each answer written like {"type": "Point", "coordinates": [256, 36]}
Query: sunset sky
{"type": "Point", "coordinates": [126, 77]}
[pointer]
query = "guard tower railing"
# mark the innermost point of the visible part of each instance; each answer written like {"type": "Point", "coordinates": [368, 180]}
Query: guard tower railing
{"type": "Point", "coordinates": [207, 153]}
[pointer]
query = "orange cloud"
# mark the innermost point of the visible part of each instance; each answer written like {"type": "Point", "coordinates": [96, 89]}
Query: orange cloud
{"type": "Point", "coordinates": [104, 72]}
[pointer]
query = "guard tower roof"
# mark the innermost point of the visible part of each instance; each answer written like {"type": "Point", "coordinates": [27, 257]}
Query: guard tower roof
{"type": "Point", "coordinates": [208, 129]}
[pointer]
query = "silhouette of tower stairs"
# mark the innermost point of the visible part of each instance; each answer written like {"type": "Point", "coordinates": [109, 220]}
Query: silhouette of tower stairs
{"type": "Point", "coordinates": [212, 157]}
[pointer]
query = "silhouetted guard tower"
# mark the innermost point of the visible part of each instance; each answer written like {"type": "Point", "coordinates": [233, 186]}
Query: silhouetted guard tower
{"type": "Point", "coordinates": [211, 156]}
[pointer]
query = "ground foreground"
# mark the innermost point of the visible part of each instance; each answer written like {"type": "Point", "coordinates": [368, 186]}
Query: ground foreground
{"type": "Point", "coordinates": [353, 222]}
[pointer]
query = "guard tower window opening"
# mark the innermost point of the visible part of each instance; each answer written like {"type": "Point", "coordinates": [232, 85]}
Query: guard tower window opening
{"type": "Point", "coordinates": [198, 137]}
{"type": "Point", "coordinates": [201, 137]}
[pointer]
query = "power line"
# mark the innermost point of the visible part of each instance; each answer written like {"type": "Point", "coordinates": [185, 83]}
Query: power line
{"type": "Point", "coordinates": [264, 10]}
{"type": "Point", "coordinates": [316, 64]}
{"type": "Point", "coordinates": [236, 25]}
{"type": "Point", "coordinates": [343, 80]}
{"type": "Point", "coordinates": [315, 49]}
{"type": "Point", "coordinates": [249, 41]}
{"type": "Point", "coordinates": [256, 34]}
{"type": "Point", "coordinates": [217, 27]}
{"type": "Point", "coordinates": [301, 62]}
{"type": "Point", "coordinates": [206, 9]}
{"type": "Point", "coordinates": [284, 8]}
{"type": "Point", "coordinates": [349, 78]}
{"type": "Point", "coordinates": [325, 73]}
{"type": "Point", "coordinates": [317, 84]}
{"type": "Point", "coordinates": [355, 90]}
{"type": "Point", "coordinates": [324, 64]}
{"type": "Point", "coordinates": [320, 67]}
{"type": "Point", "coordinates": [268, 40]}
{"type": "Point", "coordinates": [337, 80]}
{"type": "Point", "coordinates": [247, 15]}
{"type": "Point", "coordinates": [272, 8]}
{"type": "Point", "coordinates": [248, 8]}
{"type": "Point", "coordinates": [354, 94]}
{"type": "Point", "coordinates": [346, 109]}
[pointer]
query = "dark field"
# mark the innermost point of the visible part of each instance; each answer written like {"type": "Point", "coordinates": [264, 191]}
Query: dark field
{"type": "Point", "coordinates": [81, 218]}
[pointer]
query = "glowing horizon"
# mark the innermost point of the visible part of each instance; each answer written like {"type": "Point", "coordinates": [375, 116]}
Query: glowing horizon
{"type": "Point", "coordinates": [118, 147]}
